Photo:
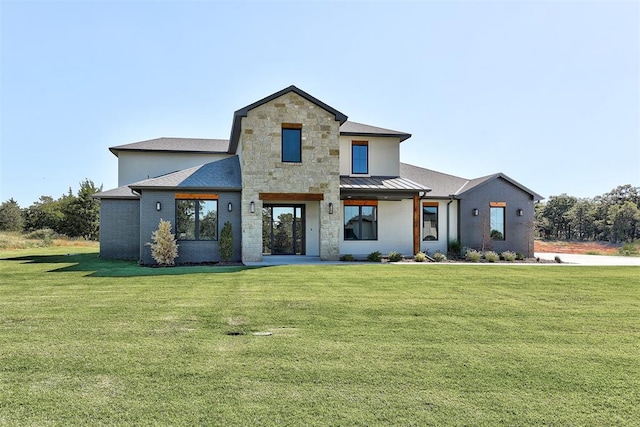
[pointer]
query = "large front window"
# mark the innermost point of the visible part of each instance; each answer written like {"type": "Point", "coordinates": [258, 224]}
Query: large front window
{"type": "Point", "coordinates": [359, 157]}
{"type": "Point", "coordinates": [361, 222]}
{"type": "Point", "coordinates": [197, 219]}
{"type": "Point", "coordinates": [430, 221]}
{"type": "Point", "coordinates": [497, 220]}
{"type": "Point", "coordinates": [292, 143]}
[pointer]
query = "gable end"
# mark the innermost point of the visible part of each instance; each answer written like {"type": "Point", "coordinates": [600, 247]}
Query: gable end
{"type": "Point", "coordinates": [239, 114]}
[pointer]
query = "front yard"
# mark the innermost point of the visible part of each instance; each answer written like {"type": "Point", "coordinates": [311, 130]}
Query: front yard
{"type": "Point", "coordinates": [85, 341]}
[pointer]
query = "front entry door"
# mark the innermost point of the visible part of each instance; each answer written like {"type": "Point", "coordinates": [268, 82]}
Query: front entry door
{"type": "Point", "coordinates": [283, 230]}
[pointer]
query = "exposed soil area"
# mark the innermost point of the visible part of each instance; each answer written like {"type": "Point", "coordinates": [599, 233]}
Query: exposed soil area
{"type": "Point", "coordinates": [575, 247]}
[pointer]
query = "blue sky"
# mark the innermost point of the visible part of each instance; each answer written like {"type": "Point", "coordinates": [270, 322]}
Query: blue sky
{"type": "Point", "coordinates": [547, 92]}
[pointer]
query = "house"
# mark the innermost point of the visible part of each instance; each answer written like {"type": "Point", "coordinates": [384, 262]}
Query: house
{"type": "Point", "coordinates": [296, 177]}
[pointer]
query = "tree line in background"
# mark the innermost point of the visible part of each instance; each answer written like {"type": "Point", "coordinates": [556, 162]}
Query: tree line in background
{"type": "Point", "coordinates": [70, 215]}
{"type": "Point", "coordinates": [613, 217]}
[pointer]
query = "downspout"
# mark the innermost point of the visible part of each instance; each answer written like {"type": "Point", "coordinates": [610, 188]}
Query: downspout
{"type": "Point", "coordinates": [451, 196]}
{"type": "Point", "coordinates": [421, 196]}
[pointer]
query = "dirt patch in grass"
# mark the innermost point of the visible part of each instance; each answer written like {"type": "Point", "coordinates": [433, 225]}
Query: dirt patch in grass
{"type": "Point", "coordinates": [574, 247]}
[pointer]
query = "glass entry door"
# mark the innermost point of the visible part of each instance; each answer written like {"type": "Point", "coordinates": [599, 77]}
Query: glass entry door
{"type": "Point", "coordinates": [283, 230]}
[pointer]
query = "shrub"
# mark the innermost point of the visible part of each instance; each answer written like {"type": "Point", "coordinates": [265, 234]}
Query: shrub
{"type": "Point", "coordinates": [164, 248]}
{"type": "Point", "coordinates": [374, 256]}
{"type": "Point", "coordinates": [491, 256]}
{"type": "Point", "coordinates": [347, 257]}
{"type": "Point", "coordinates": [420, 257]}
{"type": "Point", "coordinates": [395, 256]}
{"type": "Point", "coordinates": [439, 257]}
{"type": "Point", "coordinates": [45, 234]}
{"type": "Point", "coordinates": [520, 256]}
{"type": "Point", "coordinates": [557, 259]}
{"type": "Point", "coordinates": [628, 249]}
{"type": "Point", "coordinates": [472, 255]}
{"type": "Point", "coordinates": [508, 256]}
{"type": "Point", "coordinates": [226, 242]}
{"type": "Point", "coordinates": [454, 248]}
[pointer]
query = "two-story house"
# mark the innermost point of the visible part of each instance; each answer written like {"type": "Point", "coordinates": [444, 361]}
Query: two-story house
{"type": "Point", "coordinates": [296, 177]}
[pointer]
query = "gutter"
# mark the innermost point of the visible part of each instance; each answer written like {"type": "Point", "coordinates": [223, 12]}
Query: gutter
{"type": "Point", "coordinates": [451, 198]}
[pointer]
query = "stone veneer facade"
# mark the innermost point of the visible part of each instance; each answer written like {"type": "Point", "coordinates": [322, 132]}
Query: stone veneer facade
{"type": "Point", "coordinates": [260, 150]}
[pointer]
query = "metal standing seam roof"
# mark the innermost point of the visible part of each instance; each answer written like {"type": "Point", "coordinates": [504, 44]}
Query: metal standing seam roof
{"type": "Point", "coordinates": [380, 183]}
{"type": "Point", "coordinates": [193, 145]}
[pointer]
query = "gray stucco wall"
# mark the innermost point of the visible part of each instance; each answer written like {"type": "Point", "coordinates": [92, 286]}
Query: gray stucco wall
{"type": "Point", "coordinates": [120, 229]}
{"type": "Point", "coordinates": [518, 229]}
{"type": "Point", "coordinates": [188, 251]}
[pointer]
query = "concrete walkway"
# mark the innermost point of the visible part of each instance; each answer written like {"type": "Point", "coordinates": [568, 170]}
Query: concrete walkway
{"type": "Point", "coordinates": [567, 259]}
{"type": "Point", "coordinates": [601, 260]}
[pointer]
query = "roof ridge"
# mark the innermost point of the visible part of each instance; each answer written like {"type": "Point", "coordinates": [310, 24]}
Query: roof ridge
{"type": "Point", "coordinates": [433, 170]}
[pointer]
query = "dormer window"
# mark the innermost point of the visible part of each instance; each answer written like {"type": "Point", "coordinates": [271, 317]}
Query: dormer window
{"type": "Point", "coordinates": [291, 143]}
{"type": "Point", "coordinates": [359, 157]}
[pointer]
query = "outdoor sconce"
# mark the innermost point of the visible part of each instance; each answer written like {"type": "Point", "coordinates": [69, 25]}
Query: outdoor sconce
{"type": "Point", "coordinates": [158, 206]}
{"type": "Point", "coordinates": [330, 208]}
{"type": "Point", "coordinates": [229, 207]}
{"type": "Point", "coordinates": [475, 212]}
{"type": "Point", "coordinates": [252, 207]}
{"type": "Point", "coordinates": [520, 212]}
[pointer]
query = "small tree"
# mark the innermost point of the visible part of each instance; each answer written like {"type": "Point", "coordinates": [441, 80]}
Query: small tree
{"type": "Point", "coordinates": [82, 213]}
{"type": "Point", "coordinates": [164, 248]}
{"type": "Point", "coordinates": [226, 242]}
{"type": "Point", "coordinates": [11, 216]}
{"type": "Point", "coordinates": [487, 235]}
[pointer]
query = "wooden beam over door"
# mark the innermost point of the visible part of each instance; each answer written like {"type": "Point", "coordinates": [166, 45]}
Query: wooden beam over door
{"type": "Point", "coordinates": [298, 197]}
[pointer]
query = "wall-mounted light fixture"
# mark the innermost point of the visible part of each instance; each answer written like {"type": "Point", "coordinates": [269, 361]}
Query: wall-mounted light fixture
{"type": "Point", "coordinates": [520, 212]}
{"type": "Point", "coordinates": [475, 212]}
{"type": "Point", "coordinates": [229, 207]}
{"type": "Point", "coordinates": [158, 206]}
{"type": "Point", "coordinates": [330, 208]}
{"type": "Point", "coordinates": [252, 207]}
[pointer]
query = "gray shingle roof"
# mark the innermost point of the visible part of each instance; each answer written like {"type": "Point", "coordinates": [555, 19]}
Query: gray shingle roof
{"type": "Point", "coordinates": [193, 145]}
{"type": "Point", "coordinates": [444, 185]}
{"type": "Point", "coordinates": [478, 182]}
{"type": "Point", "coordinates": [441, 184]}
{"type": "Point", "coordinates": [350, 128]}
{"type": "Point", "coordinates": [117, 193]}
{"type": "Point", "coordinates": [221, 174]}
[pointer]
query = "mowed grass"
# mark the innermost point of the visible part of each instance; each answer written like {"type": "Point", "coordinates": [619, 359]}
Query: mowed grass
{"type": "Point", "coordinates": [369, 344]}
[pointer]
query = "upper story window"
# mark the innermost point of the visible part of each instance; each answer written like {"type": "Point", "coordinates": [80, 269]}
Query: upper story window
{"type": "Point", "coordinates": [359, 157]}
{"type": "Point", "coordinates": [429, 221]}
{"type": "Point", "coordinates": [497, 224]}
{"type": "Point", "coordinates": [197, 217]}
{"type": "Point", "coordinates": [291, 143]}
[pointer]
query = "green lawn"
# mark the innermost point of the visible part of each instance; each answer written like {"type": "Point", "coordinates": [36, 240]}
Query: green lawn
{"type": "Point", "coordinates": [85, 342]}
